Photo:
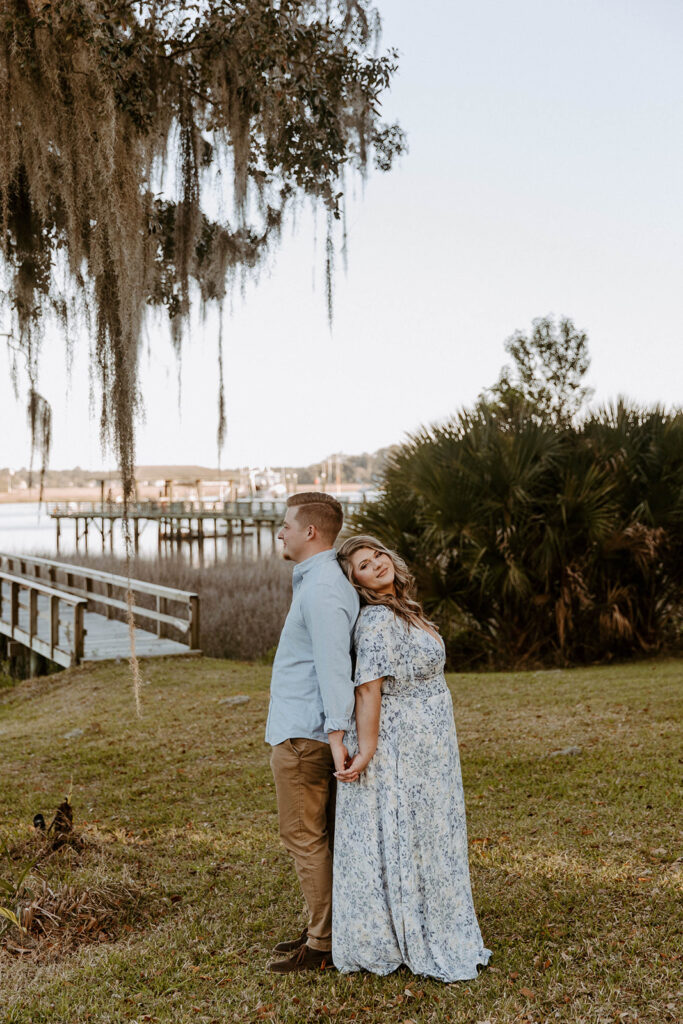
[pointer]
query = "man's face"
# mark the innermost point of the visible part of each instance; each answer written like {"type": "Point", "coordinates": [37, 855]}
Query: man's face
{"type": "Point", "coordinates": [294, 537]}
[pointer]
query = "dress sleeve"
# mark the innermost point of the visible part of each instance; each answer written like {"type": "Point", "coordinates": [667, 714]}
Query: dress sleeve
{"type": "Point", "coordinates": [375, 645]}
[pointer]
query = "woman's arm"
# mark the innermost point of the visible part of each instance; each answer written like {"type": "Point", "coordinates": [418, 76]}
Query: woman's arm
{"type": "Point", "coordinates": [368, 706]}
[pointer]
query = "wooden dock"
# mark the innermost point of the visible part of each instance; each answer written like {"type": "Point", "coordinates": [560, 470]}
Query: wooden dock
{"type": "Point", "coordinates": [70, 615]}
{"type": "Point", "coordinates": [176, 521]}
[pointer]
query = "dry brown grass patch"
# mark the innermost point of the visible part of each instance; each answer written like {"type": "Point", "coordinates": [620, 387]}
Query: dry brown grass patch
{"type": "Point", "coordinates": [56, 921]}
{"type": "Point", "coordinates": [65, 897]}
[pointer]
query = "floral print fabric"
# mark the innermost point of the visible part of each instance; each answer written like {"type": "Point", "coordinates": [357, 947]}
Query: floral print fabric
{"type": "Point", "coordinates": [401, 871]}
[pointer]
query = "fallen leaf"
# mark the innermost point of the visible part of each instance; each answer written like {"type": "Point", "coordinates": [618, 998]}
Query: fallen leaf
{"type": "Point", "coordinates": [528, 993]}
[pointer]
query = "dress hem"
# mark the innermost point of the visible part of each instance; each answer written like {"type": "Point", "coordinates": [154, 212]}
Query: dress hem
{"type": "Point", "coordinates": [382, 970]}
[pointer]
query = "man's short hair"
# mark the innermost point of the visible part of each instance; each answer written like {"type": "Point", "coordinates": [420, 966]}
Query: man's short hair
{"type": "Point", "coordinates": [315, 508]}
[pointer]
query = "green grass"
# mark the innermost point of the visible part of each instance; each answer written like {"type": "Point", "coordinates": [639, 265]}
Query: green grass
{"type": "Point", "coordinates": [573, 858]}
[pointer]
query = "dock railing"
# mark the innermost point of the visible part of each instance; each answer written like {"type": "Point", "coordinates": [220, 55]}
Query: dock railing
{"type": "Point", "coordinates": [95, 587]}
{"type": "Point", "coordinates": [62, 640]}
{"type": "Point", "coordinates": [243, 508]}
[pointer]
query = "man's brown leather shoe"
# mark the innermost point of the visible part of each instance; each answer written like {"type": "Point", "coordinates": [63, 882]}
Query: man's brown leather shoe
{"type": "Point", "coordinates": [305, 959]}
{"type": "Point", "coordinates": [289, 947]}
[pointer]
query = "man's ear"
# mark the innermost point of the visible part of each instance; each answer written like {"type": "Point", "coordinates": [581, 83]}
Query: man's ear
{"type": "Point", "coordinates": [311, 531]}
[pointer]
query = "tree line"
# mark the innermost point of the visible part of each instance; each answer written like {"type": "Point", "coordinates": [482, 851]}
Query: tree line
{"type": "Point", "coordinates": [540, 533]}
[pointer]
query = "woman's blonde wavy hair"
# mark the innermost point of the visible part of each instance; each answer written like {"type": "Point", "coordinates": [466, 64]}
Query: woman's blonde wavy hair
{"type": "Point", "coordinates": [404, 604]}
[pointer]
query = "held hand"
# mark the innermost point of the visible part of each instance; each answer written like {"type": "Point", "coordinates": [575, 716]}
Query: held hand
{"type": "Point", "coordinates": [339, 751]}
{"type": "Point", "coordinates": [355, 768]}
{"type": "Point", "coordinates": [341, 758]}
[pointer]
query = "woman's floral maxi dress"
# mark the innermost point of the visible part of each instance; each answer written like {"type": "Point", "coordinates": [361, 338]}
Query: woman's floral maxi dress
{"type": "Point", "coordinates": [401, 871]}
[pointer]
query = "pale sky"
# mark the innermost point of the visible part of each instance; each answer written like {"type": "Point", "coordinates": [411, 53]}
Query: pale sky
{"type": "Point", "coordinates": [545, 176]}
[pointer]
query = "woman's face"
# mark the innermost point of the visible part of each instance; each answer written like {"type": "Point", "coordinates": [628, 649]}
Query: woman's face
{"type": "Point", "coordinates": [373, 570]}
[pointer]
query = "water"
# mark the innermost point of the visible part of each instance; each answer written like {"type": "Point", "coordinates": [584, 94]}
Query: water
{"type": "Point", "coordinates": [26, 527]}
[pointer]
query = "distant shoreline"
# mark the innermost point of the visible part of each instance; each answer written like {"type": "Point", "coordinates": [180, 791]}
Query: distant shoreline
{"type": "Point", "coordinates": [31, 495]}
{"type": "Point", "coordinates": [145, 493]}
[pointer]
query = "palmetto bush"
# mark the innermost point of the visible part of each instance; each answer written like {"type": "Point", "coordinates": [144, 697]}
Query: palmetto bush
{"type": "Point", "coordinates": [538, 544]}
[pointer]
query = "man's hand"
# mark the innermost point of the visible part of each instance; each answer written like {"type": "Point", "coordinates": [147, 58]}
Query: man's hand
{"type": "Point", "coordinates": [338, 748]}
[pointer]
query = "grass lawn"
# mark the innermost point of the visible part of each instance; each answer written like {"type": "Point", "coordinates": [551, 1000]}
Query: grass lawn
{"type": "Point", "coordinates": [171, 909]}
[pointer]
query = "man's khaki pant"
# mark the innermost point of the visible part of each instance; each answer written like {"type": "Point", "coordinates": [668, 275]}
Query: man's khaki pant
{"type": "Point", "coordinates": [306, 790]}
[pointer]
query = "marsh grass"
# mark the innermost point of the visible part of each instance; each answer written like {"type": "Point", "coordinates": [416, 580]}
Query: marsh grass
{"type": "Point", "coordinates": [575, 859]}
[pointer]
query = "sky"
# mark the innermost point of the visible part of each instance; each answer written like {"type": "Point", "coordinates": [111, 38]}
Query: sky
{"type": "Point", "coordinates": [544, 176]}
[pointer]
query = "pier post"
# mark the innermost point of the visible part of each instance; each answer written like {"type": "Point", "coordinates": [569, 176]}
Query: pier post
{"type": "Point", "coordinates": [32, 615]}
{"type": "Point", "coordinates": [194, 622]}
{"type": "Point", "coordinates": [136, 534]}
{"type": "Point", "coordinates": [58, 524]}
{"type": "Point", "coordinates": [14, 607]}
{"type": "Point", "coordinates": [77, 652]}
{"type": "Point", "coordinates": [54, 624]}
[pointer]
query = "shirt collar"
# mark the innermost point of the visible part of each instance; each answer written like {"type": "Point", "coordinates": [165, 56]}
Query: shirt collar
{"type": "Point", "coordinates": [301, 568]}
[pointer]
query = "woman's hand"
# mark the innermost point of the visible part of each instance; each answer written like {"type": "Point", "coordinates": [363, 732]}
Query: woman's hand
{"type": "Point", "coordinates": [355, 769]}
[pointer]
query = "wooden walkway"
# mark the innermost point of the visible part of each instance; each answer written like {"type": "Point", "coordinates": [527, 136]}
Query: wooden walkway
{"type": "Point", "coordinates": [70, 615]}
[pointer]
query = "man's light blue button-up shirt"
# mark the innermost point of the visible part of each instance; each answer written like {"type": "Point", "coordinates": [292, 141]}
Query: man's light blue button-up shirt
{"type": "Point", "coordinates": [311, 689]}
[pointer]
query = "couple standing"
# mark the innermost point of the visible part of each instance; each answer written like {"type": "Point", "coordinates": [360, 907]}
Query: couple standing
{"type": "Point", "coordinates": [400, 889]}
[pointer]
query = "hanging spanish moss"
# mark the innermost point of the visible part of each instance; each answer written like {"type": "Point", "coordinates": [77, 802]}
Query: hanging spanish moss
{"type": "Point", "coordinates": [103, 102]}
{"type": "Point", "coordinates": [222, 423]}
{"type": "Point", "coordinates": [40, 424]}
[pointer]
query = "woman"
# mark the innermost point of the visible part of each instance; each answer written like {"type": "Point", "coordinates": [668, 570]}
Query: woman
{"type": "Point", "coordinates": [401, 873]}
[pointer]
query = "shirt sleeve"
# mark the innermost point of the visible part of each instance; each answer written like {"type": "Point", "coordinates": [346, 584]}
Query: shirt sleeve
{"type": "Point", "coordinates": [330, 621]}
{"type": "Point", "coordinates": [374, 646]}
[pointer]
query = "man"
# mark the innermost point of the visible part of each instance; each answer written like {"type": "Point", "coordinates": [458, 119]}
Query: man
{"type": "Point", "coordinates": [311, 706]}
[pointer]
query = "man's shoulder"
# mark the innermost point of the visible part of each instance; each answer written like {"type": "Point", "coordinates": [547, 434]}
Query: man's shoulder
{"type": "Point", "coordinates": [329, 578]}
{"type": "Point", "coordinates": [330, 573]}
